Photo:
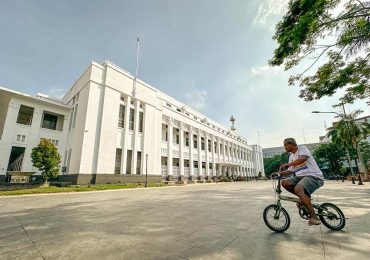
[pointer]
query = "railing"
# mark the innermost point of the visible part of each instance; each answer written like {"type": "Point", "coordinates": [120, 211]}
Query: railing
{"type": "Point", "coordinates": [165, 119]}
{"type": "Point", "coordinates": [163, 151]}
{"type": "Point", "coordinates": [16, 164]}
{"type": "Point", "coordinates": [196, 172]}
{"type": "Point", "coordinates": [175, 153]}
{"type": "Point", "coordinates": [164, 171]}
{"type": "Point", "coordinates": [186, 172]}
{"type": "Point", "coordinates": [176, 172]}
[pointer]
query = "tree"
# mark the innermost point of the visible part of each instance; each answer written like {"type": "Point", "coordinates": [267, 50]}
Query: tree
{"type": "Point", "coordinates": [349, 132]}
{"type": "Point", "coordinates": [326, 30]}
{"type": "Point", "coordinates": [272, 164]}
{"type": "Point", "coordinates": [46, 158]}
{"type": "Point", "coordinates": [330, 156]}
{"type": "Point", "coordinates": [365, 153]}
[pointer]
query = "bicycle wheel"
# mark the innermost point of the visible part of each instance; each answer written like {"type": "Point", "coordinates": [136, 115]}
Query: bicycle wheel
{"type": "Point", "coordinates": [279, 224]}
{"type": "Point", "coordinates": [331, 216]}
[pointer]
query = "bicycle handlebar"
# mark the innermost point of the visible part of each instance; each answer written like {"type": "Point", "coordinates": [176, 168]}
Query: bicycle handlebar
{"type": "Point", "coordinates": [275, 175]}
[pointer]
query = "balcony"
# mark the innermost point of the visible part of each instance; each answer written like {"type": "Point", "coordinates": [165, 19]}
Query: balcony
{"type": "Point", "coordinates": [164, 151]}
{"type": "Point", "coordinates": [186, 172]}
{"type": "Point", "coordinates": [164, 172]}
{"type": "Point", "coordinates": [176, 172]}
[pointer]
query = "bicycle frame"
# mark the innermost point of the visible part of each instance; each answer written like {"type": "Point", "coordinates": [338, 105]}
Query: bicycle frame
{"type": "Point", "coordinates": [292, 199]}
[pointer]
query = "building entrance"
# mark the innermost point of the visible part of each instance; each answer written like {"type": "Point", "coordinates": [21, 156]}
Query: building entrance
{"type": "Point", "coordinates": [16, 158]}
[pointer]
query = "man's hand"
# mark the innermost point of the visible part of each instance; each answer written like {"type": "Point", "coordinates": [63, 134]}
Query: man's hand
{"type": "Point", "coordinates": [284, 165]}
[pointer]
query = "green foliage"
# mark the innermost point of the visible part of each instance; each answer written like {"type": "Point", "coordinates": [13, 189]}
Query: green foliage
{"type": "Point", "coordinates": [365, 152]}
{"type": "Point", "coordinates": [272, 164]}
{"type": "Point", "coordinates": [224, 179]}
{"type": "Point", "coordinates": [330, 156]}
{"type": "Point", "coordinates": [348, 132]}
{"type": "Point", "coordinates": [46, 158]}
{"type": "Point", "coordinates": [309, 22]}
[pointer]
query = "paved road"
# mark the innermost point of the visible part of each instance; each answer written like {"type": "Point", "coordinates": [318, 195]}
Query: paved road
{"type": "Point", "coordinates": [202, 221]}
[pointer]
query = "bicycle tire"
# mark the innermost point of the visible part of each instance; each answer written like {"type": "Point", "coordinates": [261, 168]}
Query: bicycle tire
{"type": "Point", "coordinates": [283, 214]}
{"type": "Point", "coordinates": [324, 220]}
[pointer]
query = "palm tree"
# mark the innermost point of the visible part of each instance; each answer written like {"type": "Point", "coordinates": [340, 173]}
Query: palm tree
{"type": "Point", "coordinates": [349, 133]}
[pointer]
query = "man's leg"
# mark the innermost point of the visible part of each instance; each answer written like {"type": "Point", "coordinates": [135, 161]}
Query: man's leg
{"type": "Point", "coordinates": [300, 192]}
{"type": "Point", "coordinates": [288, 185]}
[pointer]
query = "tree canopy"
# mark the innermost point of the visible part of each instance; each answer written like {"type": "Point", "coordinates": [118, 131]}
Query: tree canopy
{"type": "Point", "coordinates": [334, 31]}
{"type": "Point", "coordinates": [349, 131]}
{"type": "Point", "coordinates": [272, 164]}
{"type": "Point", "coordinates": [330, 156]}
{"type": "Point", "coordinates": [46, 158]}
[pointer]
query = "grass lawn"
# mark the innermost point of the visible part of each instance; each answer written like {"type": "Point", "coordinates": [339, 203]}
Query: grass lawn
{"type": "Point", "coordinates": [53, 189]}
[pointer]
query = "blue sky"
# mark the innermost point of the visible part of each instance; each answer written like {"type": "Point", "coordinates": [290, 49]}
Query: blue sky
{"type": "Point", "coordinates": [210, 54]}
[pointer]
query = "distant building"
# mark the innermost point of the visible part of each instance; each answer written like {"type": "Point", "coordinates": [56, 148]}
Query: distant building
{"type": "Point", "coordinates": [326, 137]}
{"type": "Point", "coordinates": [271, 152]}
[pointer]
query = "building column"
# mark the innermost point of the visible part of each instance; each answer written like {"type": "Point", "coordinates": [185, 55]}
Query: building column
{"type": "Point", "coordinates": [181, 157]}
{"type": "Point", "coordinates": [125, 135]}
{"type": "Point", "coordinates": [191, 156]}
{"type": "Point", "coordinates": [213, 156]}
{"type": "Point", "coordinates": [143, 150]}
{"type": "Point", "coordinates": [169, 147]}
{"type": "Point", "coordinates": [135, 138]}
{"type": "Point", "coordinates": [207, 154]}
{"type": "Point", "coordinates": [200, 169]}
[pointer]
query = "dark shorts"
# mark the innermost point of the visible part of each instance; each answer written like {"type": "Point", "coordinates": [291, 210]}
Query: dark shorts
{"type": "Point", "coordinates": [309, 183]}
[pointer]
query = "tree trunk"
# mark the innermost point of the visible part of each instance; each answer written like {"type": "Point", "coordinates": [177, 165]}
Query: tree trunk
{"type": "Point", "coordinates": [350, 166]}
{"type": "Point", "coordinates": [359, 173]}
{"type": "Point", "coordinates": [363, 165]}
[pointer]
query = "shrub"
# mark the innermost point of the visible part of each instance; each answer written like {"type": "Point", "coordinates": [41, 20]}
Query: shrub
{"type": "Point", "coordinates": [46, 158]}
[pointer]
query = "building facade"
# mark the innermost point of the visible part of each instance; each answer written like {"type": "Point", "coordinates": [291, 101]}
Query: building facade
{"type": "Point", "coordinates": [117, 128]}
{"type": "Point", "coordinates": [24, 120]}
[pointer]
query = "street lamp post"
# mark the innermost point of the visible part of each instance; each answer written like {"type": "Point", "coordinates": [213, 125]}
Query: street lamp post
{"type": "Point", "coordinates": [146, 170]}
{"type": "Point", "coordinates": [347, 152]}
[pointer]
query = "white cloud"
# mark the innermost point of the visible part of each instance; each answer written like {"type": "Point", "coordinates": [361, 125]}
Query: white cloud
{"type": "Point", "coordinates": [56, 92]}
{"type": "Point", "coordinates": [266, 70]}
{"type": "Point", "coordinates": [197, 98]}
{"type": "Point", "coordinates": [269, 12]}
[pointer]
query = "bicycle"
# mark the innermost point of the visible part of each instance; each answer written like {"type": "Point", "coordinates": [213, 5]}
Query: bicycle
{"type": "Point", "coordinates": [278, 220]}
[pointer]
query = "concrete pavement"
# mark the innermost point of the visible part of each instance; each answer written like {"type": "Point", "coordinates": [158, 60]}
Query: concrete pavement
{"type": "Point", "coordinates": [202, 221]}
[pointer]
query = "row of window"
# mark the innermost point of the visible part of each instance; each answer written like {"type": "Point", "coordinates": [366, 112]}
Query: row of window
{"type": "Point", "coordinates": [272, 154]}
{"type": "Point", "coordinates": [228, 149]}
{"type": "Point", "coordinates": [205, 121]}
{"type": "Point", "coordinates": [49, 120]}
{"type": "Point", "coordinates": [21, 138]}
{"type": "Point", "coordinates": [131, 123]}
{"type": "Point", "coordinates": [176, 162]}
{"type": "Point", "coordinates": [118, 162]}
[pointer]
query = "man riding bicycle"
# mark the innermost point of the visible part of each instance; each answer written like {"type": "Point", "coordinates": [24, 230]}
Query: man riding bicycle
{"type": "Point", "coordinates": [307, 176]}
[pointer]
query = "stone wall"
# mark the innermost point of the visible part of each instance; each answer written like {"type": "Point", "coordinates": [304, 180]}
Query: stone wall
{"type": "Point", "coordinates": [108, 178]}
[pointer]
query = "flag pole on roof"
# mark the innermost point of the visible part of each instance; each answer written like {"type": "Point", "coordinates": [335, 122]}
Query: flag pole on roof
{"type": "Point", "coordinates": [137, 66]}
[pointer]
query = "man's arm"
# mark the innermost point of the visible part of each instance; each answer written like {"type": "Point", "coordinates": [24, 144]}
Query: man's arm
{"type": "Point", "coordinates": [299, 161]}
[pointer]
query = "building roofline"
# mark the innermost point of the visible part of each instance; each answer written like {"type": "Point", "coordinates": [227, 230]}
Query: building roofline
{"type": "Point", "coordinates": [180, 104]}
{"type": "Point", "coordinates": [40, 97]}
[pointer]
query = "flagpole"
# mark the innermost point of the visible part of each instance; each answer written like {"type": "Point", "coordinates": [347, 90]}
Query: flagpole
{"type": "Point", "coordinates": [137, 65]}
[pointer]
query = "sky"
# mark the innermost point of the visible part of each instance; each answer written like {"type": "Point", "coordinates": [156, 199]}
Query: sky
{"type": "Point", "coordinates": [211, 55]}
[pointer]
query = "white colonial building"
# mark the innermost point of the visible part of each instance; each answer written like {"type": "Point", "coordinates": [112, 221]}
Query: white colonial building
{"type": "Point", "coordinates": [111, 127]}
